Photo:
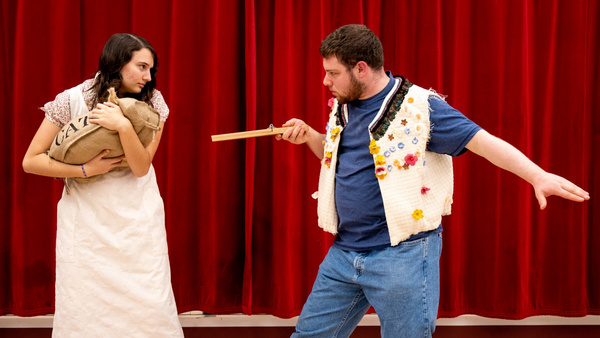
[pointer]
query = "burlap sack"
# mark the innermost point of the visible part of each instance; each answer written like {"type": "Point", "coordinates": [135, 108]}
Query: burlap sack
{"type": "Point", "coordinates": [79, 140]}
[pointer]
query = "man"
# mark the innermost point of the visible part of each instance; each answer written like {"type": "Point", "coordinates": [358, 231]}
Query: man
{"type": "Point", "coordinates": [386, 180]}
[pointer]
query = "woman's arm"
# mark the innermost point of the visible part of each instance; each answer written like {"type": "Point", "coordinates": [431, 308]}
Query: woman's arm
{"type": "Point", "coordinates": [139, 158]}
{"type": "Point", "coordinates": [36, 161]}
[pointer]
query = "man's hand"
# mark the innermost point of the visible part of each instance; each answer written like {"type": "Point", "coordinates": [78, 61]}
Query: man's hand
{"type": "Point", "coordinates": [549, 184]}
{"type": "Point", "coordinates": [300, 134]}
{"type": "Point", "coordinates": [295, 135]}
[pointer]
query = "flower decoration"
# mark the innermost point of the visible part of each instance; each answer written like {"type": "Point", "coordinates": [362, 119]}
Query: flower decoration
{"type": "Point", "coordinates": [374, 149]}
{"type": "Point", "coordinates": [411, 100]}
{"type": "Point", "coordinates": [419, 128]}
{"type": "Point", "coordinates": [424, 190]}
{"type": "Point", "coordinates": [327, 159]}
{"type": "Point", "coordinates": [380, 172]}
{"type": "Point", "coordinates": [417, 214]}
{"type": "Point", "coordinates": [404, 122]}
{"type": "Point", "coordinates": [411, 159]}
{"type": "Point", "coordinates": [398, 132]}
{"type": "Point", "coordinates": [331, 102]}
{"type": "Point", "coordinates": [391, 136]}
{"type": "Point", "coordinates": [379, 160]}
{"type": "Point", "coordinates": [397, 164]}
{"type": "Point", "coordinates": [334, 132]}
{"type": "Point", "coordinates": [405, 166]}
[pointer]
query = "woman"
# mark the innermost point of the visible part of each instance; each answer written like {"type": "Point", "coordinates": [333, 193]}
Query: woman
{"type": "Point", "coordinates": [112, 264]}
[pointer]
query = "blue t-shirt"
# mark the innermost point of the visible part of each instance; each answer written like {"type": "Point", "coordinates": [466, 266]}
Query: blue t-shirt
{"type": "Point", "coordinates": [362, 223]}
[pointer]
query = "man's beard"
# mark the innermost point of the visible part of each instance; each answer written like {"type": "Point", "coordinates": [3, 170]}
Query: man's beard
{"type": "Point", "coordinates": [354, 92]}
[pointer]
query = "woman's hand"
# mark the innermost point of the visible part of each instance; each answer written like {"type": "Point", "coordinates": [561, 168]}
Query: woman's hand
{"type": "Point", "coordinates": [109, 116]}
{"type": "Point", "coordinates": [100, 165]}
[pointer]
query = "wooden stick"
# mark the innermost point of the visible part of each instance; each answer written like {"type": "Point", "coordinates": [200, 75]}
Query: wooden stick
{"type": "Point", "coordinates": [252, 133]}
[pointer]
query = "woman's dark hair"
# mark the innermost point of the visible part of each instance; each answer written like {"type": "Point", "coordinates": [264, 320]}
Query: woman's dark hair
{"type": "Point", "coordinates": [351, 44]}
{"type": "Point", "coordinates": [117, 52]}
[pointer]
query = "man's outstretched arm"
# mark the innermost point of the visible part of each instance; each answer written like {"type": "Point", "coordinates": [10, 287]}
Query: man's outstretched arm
{"type": "Point", "coordinates": [507, 157]}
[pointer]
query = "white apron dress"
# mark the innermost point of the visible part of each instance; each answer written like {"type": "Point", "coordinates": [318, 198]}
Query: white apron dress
{"type": "Point", "coordinates": [112, 265]}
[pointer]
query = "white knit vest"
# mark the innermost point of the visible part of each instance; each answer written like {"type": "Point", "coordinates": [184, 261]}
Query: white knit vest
{"type": "Point", "coordinates": [416, 185]}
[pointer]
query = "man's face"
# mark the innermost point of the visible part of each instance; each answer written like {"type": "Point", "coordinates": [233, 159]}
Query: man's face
{"type": "Point", "coordinates": [342, 83]}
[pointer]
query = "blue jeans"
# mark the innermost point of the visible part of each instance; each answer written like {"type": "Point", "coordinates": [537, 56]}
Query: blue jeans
{"type": "Point", "coordinates": [400, 282]}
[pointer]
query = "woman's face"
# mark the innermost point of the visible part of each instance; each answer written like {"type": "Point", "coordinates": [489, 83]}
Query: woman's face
{"type": "Point", "coordinates": [136, 73]}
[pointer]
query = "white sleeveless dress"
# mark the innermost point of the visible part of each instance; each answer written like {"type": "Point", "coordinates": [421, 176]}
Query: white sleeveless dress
{"type": "Point", "coordinates": [112, 265]}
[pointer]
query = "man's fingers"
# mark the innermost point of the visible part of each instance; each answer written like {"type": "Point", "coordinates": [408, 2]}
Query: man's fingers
{"type": "Point", "coordinates": [541, 200]}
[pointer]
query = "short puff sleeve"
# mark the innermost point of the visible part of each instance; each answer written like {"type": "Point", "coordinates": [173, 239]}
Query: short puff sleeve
{"type": "Point", "coordinates": [59, 110]}
{"type": "Point", "coordinates": [158, 102]}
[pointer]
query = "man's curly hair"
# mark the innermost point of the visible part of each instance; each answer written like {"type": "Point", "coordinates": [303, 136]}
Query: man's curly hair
{"type": "Point", "coordinates": [351, 44]}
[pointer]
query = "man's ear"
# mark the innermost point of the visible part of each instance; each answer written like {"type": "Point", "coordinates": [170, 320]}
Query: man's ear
{"type": "Point", "coordinates": [362, 68]}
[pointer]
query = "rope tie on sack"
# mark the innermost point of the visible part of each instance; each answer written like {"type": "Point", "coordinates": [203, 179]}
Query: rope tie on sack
{"type": "Point", "coordinates": [154, 128]}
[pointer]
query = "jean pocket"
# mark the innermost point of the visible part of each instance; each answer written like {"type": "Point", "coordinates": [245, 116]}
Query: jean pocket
{"type": "Point", "coordinates": [413, 242]}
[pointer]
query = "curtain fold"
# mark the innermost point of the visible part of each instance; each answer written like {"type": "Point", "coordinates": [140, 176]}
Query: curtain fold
{"type": "Point", "coordinates": [241, 222]}
{"type": "Point", "coordinates": [250, 167]}
{"type": "Point", "coordinates": [203, 183]}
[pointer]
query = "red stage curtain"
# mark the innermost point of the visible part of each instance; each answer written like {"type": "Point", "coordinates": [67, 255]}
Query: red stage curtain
{"type": "Point", "coordinates": [241, 222]}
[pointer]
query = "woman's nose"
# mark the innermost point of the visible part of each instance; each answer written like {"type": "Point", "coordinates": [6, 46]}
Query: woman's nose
{"type": "Point", "coordinates": [147, 76]}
